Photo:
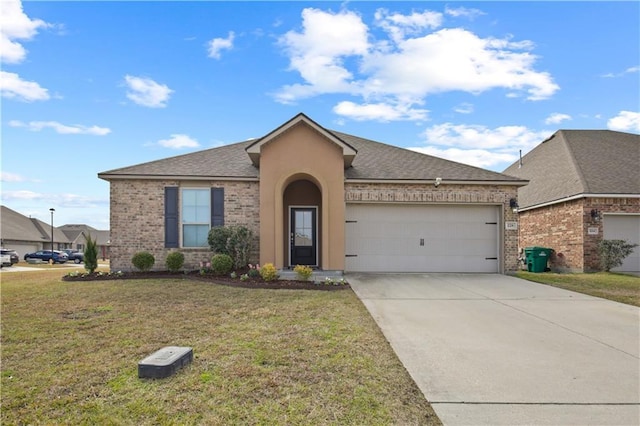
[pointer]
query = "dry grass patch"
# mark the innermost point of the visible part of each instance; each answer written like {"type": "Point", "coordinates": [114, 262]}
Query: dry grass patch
{"type": "Point", "coordinates": [608, 285]}
{"type": "Point", "coordinates": [70, 352]}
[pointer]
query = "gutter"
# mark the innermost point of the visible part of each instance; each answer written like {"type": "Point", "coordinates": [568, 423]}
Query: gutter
{"type": "Point", "coordinates": [577, 197]}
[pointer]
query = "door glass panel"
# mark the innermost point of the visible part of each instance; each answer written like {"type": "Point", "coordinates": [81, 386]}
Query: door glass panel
{"type": "Point", "coordinates": [304, 229]}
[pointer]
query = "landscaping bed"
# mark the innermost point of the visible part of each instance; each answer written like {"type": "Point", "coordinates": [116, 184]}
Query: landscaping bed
{"type": "Point", "coordinates": [255, 282]}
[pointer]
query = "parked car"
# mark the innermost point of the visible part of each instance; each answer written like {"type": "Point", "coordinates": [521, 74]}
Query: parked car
{"type": "Point", "coordinates": [47, 255]}
{"type": "Point", "coordinates": [74, 255]}
{"type": "Point", "coordinates": [12, 254]}
{"type": "Point", "coordinates": [5, 260]}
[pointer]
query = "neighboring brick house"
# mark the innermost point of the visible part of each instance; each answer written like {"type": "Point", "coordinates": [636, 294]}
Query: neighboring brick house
{"type": "Point", "coordinates": [584, 186]}
{"type": "Point", "coordinates": [322, 198]}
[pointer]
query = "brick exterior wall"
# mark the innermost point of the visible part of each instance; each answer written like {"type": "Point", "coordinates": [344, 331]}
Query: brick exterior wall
{"type": "Point", "coordinates": [564, 227]}
{"type": "Point", "coordinates": [137, 213]}
{"type": "Point", "coordinates": [448, 194]}
{"type": "Point", "coordinates": [137, 219]}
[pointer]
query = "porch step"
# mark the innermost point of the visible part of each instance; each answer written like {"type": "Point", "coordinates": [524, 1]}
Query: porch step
{"type": "Point", "coordinates": [317, 275]}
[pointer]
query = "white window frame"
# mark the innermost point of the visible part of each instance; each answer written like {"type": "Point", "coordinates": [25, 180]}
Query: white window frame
{"type": "Point", "coordinates": [182, 220]}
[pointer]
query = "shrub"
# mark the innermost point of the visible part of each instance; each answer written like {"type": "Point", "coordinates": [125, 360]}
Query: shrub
{"type": "Point", "coordinates": [90, 254]}
{"type": "Point", "coordinates": [221, 264]}
{"type": "Point", "coordinates": [613, 252]}
{"type": "Point", "coordinates": [304, 272]}
{"type": "Point", "coordinates": [175, 261]}
{"type": "Point", "coordinates": [239, 245]}
{"type": "Point", "coordinates": [268, 272]}
{"type": "Point", "coordinates": [232, 240]}
{"type": "Point", "coordinates": [143, 260]}
{"type": "Point", "coordinates": [254, 271]}
{"type": "Point", "coordinates": [218, 237]}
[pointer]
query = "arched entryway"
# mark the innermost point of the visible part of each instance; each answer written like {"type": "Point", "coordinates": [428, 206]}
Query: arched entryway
{"type": "Point", "coordinates": [302, 223]}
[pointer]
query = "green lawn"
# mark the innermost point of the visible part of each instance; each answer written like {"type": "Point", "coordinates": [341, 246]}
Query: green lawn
{"type": "Point", "coordinates": [70, 352]}
{"type": "Point", "coordinates": [608, 285]}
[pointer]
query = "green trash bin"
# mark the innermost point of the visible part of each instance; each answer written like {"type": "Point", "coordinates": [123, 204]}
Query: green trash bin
{"type": "Point", "coordinates": [537, 258]}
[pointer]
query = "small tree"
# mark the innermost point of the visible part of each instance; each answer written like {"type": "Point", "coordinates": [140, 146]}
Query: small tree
{"type": "Point", "coordinates": [613, 252]}
{"type": "Point", "coordinates": [90, 254]}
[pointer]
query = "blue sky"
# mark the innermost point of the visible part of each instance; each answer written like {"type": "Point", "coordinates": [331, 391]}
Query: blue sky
{"type": "Point", "coordinates": [92, 86]}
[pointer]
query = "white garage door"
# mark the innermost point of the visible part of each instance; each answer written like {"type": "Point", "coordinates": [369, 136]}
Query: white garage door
{"type": "Point", "coordinates": [624, 227]}
{"type": "Point", "coordinates": [418, 238]}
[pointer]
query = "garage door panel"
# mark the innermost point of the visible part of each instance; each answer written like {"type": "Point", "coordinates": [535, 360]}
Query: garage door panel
{"type": "Point", "coordinates": [387, 238]}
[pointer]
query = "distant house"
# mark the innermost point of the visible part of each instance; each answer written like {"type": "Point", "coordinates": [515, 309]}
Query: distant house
{"type": "Point", "coordinates": [26, 235]}
{"type": "Point", "coordinates": [77, 235]}
{"type": "Point", "coordinates": [318, 197]}
{"type": "Point", "coordinates": [584, 186]}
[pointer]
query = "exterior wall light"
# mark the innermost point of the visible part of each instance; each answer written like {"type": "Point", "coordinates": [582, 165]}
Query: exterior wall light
{"type": "Point", "coordinates": [513, 203]}
{"type": "Point", "coordinates": [596, 216]}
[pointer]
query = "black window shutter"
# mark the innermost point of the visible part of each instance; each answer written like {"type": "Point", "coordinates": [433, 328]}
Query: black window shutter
{"type": "Point", "coordinates": [217, 207]}
{"type": "Point", "coordinates": [171, 208]}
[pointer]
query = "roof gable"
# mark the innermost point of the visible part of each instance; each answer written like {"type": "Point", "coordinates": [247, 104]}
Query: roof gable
{"type": "Point", "coordinates": [574, 162]}
{"type": "Point", "coordinates": [348, 152]}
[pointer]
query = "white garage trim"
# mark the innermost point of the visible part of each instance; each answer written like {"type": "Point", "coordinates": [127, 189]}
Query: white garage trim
{"type": "Point", "coordinates": [624, 227]}
{"type": "Point", "coordinates": [422, 238]}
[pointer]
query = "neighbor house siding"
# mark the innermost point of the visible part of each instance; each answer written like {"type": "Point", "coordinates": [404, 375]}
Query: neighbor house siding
{"type": "Point", "coordinates": [138, 223]}
{"type": "Point", "coordinates": [447, 194]}
{"type": "Point", "coordinates": [564, 227]}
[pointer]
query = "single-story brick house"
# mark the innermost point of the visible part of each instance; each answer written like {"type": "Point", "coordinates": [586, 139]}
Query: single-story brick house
{"type": "Point", "coordinates": [319, 197]}
{"type": "Point", "coordinates": [584, 186]}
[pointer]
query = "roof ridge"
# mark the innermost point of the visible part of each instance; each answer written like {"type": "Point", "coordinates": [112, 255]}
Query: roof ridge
{"type": "Point", "coordinates": [574, 162]}
{"type": "Point", "coordinates": [39, 227]}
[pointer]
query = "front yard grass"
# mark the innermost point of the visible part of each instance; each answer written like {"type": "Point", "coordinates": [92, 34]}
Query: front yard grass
{"type": "Point", "coordinates": [70, 352]}
{"type": "Point", "coordinates": [608, 285]}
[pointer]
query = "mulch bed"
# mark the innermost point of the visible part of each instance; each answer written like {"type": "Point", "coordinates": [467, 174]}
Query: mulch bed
{"type": "Point", "coordinates": [211, 278]}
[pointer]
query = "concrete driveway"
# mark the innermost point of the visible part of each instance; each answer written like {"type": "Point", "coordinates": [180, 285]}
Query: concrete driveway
{"type": "Point", "coordinates": [498, 350]}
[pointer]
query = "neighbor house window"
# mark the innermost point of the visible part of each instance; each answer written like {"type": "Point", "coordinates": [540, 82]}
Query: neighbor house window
{"type": "Point", "coordinates": [196, 217]}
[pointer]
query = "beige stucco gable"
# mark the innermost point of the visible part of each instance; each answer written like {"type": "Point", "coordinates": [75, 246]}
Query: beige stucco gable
{"type": "Point", "coordinates": [300, 152]}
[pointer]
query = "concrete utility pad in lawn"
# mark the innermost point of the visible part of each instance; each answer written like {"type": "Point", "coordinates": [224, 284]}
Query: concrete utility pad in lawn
{"type": "Point", "coordinates": [494, 349]}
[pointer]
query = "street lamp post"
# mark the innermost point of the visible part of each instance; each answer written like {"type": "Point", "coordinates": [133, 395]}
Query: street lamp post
{"type": "Point", "coordinates": [52, 210]}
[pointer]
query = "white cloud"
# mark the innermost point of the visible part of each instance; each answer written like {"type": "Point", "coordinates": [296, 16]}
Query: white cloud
{"type": "Point", "coordinates": [13, 87]}
{"type": "Point", "coordinates": [399, 26]}
{"type": "Point", "coordinates": [76, 129]}
{"type": "Point", "coordinates": [11, 177]}
{"type": "Point", "coordinates": [625, 121]}
{"type": "Point", "coordinates": [557, 118]}
{"type": "Point", "coordinates": [179, 141]}
{"type": "Point", "coordinates": [630, 70]}
{"type": "Point", "coordinates": [479, 145]}
{"type": "Point", "coordinates": [478, 136]}
{"type": "Point", "coordinates": [464, 108]}
{"type": "Point", "coordinates": [463, 11]}
{"type": "Point", "coordinates": [146, 92]}
{"type": "Point", "coordinates": [337, 53]}
{"type": "Point", "coordinates": [318, 51]}
{"type": "Point", "coordinates": [62, 200]}
{"type": "Point", "coordinates": [218, 44]}
{"type": "Point", "coordinates": [473, 157]}
{"type": "Point", "coordinates": [15, 25]}
{"type": "Point", "coordinates": [379, 112]}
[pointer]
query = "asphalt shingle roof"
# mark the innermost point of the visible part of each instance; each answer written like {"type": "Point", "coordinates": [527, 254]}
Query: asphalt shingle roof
{"type": "Point", "coordinates": [574, 162]}
{"type": "Point", "coordinates": [374, 161]}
